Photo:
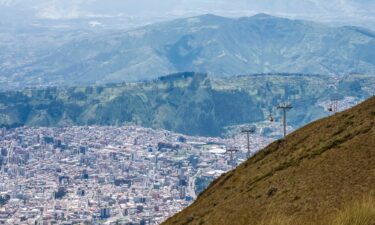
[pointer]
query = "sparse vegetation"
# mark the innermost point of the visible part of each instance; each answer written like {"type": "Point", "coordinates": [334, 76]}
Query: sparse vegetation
{"type": "Point", "coordinates": [277, 220]}
{"type": "Point", "coordinates": [360, 213]}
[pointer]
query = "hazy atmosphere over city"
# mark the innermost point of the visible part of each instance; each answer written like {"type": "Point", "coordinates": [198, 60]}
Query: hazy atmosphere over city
{"type": "Point", "coordinates": [187, 112]}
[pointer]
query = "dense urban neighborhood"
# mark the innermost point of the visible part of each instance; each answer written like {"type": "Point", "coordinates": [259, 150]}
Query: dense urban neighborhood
{"type": "Point", "coordinates": [108, 175]}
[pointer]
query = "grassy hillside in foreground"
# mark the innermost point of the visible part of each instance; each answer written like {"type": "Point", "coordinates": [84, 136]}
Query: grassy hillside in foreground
{"type": "Point", "coordinates": [308, 178]}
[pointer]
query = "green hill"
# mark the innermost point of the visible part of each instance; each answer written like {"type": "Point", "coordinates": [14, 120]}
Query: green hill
{"type": "Point", "coordinates": [189, 103]}
{"type": "Point", "coordinates": [306, 178]}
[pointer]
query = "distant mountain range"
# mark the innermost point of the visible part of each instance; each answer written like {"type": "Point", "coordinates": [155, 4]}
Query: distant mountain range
{"type": "Point", "coordinates": [210, 44]}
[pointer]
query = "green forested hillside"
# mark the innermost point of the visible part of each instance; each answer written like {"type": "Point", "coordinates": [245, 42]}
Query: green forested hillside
{"type": "Point", "coordinates": [189, 103]}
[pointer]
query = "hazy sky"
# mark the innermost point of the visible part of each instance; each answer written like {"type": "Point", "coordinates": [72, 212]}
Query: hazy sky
{"type": "Point", "coordinates": [358, 11]}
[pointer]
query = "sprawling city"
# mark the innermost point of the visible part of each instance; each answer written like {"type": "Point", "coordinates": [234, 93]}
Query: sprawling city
{"type": "Point", "coordinates": [187, 112]}
{"type": "Point", "coordinates": [118, 174]}
{"type": "Point", "coordinates": [108, 175]}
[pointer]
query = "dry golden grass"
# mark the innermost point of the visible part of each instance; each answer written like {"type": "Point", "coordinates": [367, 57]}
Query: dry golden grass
{"type": "Point", "coordinates": [312, 174]}
{"type": "Point", "coordinates": [360, 213]}
{"type": "Point", "coordinates": [277, 220]}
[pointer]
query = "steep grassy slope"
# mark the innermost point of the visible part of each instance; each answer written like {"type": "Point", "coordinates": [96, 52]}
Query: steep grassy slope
{"type": "Point", "coordinates": [308, 177]}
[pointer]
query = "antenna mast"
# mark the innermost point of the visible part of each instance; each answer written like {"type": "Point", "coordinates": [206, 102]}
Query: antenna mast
{"type": "Point", "coordinates": [248, 131]}
{"type": "Point", "coordinates": [285, 107]}
{"type": "Point", "coordinates": [231, 151]}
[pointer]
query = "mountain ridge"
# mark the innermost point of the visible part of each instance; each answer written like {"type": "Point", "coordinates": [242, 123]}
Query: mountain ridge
{"type": "Point", "coordinates": [189, 103]}
{"type": "Point", "coordinates": [210, 44]}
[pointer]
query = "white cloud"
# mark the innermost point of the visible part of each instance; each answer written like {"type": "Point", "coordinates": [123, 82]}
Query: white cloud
{"type": "Point", "coordinates": [321, 10]}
